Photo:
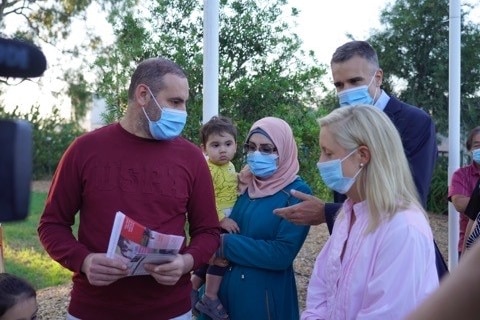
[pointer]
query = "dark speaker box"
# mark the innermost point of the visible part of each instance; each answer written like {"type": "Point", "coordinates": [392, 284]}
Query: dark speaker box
{"type": "Point", "coordinates": [15, 169]}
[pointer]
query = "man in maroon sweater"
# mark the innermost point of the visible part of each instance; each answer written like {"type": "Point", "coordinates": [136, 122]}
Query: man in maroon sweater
{"type": "Point", "coordinates": [142, 167]}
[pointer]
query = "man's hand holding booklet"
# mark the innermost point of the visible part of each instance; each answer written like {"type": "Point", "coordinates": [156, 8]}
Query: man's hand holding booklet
{"type": "Point", "coordinates": [137, 244]}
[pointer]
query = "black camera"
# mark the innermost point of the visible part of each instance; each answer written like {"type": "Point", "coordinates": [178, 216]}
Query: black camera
{"type": "Point", "coordinates": [18, 59]}
{"type": "Point", "coordinates": [15, 169]}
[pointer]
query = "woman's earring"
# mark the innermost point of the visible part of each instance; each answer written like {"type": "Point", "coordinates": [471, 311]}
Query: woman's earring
{"type": "Point", "coordinates": [361, 165]}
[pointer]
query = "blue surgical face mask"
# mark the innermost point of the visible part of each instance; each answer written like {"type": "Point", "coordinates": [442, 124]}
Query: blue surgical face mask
{"type": "Point", "coordinates": [356, 96]}
{"type": "Point", "coordinates": [169, 125]}
{"type": "Point", "coordinates": [476, 155]}
{"type": "Point", "coordinates": [262, 165]}
{"type": "Point", "coordinates": [332, 174]}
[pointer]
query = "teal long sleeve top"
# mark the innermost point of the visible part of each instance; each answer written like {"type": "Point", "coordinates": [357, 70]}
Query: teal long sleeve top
{"type": "Point", "coordinates": [260, 283]}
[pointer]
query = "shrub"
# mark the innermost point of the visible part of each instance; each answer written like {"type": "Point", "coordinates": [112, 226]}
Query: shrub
{"type": "Point", "coordinates": [437, 201]}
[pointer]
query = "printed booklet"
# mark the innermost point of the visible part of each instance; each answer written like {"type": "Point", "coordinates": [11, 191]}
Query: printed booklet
{"type": "Point", "coordinates": [137, 243]}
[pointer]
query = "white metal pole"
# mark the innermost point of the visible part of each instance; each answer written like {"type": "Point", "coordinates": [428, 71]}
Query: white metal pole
{"type": "Point", "coordinates": [453, 123]}
{"type": "Point", "coordinates": [210, 58]}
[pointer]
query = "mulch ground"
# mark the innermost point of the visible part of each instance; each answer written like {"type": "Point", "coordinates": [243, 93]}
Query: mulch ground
{"type": "Point", "coordinates": [53, 301]}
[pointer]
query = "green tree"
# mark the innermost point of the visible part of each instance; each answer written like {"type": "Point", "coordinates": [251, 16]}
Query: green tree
{"type": "Point", "coordinates": [263, 71]}
{"type": "Point", "coordinates": [49, 23]}
{"type": "Point", "coordinates": [47, 20]}
{"type": "Point", "coordinates": [413, 49]}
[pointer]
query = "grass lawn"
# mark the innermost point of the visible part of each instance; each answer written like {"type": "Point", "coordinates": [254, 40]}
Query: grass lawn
{"type": "Point", "coordinates": [24, 255]}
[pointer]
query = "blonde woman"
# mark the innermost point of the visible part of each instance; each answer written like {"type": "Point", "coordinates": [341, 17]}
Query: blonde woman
{"type": "Point", "coordinates": [379, 262]}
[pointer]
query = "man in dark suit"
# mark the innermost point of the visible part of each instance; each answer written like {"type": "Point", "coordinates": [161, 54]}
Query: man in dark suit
{"type": "Point", "coordinates": [358, 78]}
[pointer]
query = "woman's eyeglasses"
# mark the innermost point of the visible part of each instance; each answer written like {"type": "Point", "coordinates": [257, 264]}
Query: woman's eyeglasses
{"type": "Point", "coordinates": [263, 148]}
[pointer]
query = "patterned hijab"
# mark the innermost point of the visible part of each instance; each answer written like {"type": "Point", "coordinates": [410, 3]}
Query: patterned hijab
{"type": "Point", "coordinates": [282, 137]}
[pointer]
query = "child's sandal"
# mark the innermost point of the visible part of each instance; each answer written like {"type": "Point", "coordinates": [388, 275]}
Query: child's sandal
{"type": "Point", "coordinates": [212, 308]}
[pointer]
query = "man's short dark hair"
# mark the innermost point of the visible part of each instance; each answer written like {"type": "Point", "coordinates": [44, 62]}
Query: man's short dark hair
{"type": "Point", "coordinates": [352, 49]}
{"type": "Point", "coordinates": [151, 72]}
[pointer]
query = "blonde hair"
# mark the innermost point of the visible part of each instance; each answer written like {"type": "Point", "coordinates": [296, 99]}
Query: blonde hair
{"type": "Point", "coordinates": [386, 182]}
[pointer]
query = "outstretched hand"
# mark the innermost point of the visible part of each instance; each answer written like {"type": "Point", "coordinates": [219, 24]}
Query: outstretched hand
{"type": "Point", "coordinates": [310, 211]}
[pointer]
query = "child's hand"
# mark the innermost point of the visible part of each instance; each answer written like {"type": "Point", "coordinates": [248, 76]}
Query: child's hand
{"type": "Point", "coordinates": [230, 225]}
{"type": "Point", "coordinates": [221, 262]}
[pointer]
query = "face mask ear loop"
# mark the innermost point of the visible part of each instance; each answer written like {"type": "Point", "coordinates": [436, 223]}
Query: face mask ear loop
{"type": "Point", "coordinates": [146, 115]}
{"type": "Point", "coordinates": [361, 164]}
{"type": "Point", "coordinates": [348, 155]}
{"type": "Point", "coordinates": [358, 172]}
{"type": "Point", "coordinates": [375, 95]}
{"type": "Point", "coordinates": [376, 88]}
{"type": "Point", "coordinates": [154, 99]}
